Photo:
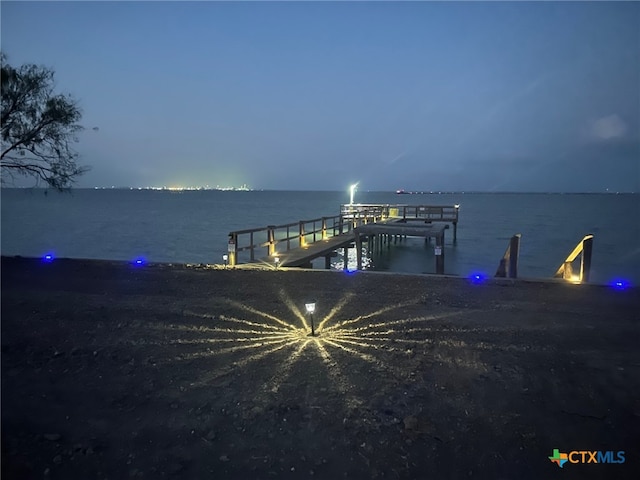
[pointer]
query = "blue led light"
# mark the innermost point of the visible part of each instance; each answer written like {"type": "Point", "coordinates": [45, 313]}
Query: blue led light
{"type": "Point", "coordinates": [139, 261]}
{"type": "Point", "coordinates": [48, 257]}
{"type": "Point", "coordinates": [620, 284]}
{"type": "Point", "coordinates": [477, 277]}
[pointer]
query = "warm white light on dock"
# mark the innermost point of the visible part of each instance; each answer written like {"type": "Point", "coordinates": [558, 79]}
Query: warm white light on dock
{"type": "Point", "coordinates": [456, 206]}
{"type": "Point", "coordinates": [575, 279]}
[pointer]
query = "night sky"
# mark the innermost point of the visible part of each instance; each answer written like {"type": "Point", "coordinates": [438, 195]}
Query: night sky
{"type": "Point", "coordinates": [296, 95]}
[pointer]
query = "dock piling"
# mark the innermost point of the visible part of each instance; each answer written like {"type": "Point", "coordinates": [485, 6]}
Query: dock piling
{"type": "Point", "coordinates": [301, 241]}
{"type": "Point", "coordinates": [509, 261]}
{"type": "Point", "coordinates": [439, 254]}
{"type": "Point", "coordinates": [271, 239]}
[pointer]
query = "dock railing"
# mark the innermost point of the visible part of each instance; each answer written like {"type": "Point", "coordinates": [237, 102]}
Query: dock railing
{"type": "Point", "coordinates": [584, 249]}
{"type": "Point", "coordinates": [428, 213]}
{"type": "Point", "coordinates": [245, 245]}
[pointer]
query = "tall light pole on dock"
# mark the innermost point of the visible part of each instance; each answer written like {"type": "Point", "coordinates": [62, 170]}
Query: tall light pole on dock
{"type": "Point", "coordinates": [352, 190]}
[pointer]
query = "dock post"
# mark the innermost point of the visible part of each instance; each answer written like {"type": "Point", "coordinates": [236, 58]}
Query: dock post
{"type": "Point", "coordinates": [271, 238]}
{"type": "Point", "coordinates": [508, 265]}
{"type": "Point", "coordinates": [585, 264]}
{"type": "Point", "coordinates": [455, 232]}
{"type": "Point", "coordinates": [567, 273]}
{"type": "Point", "coordinates": [439, 251]}
{"type": "Point", "coordinates": [233, 244]}
{"type": "Point", "coordinates": [346, 258]}
{"type": "Point", "coordinates": [301, 238]}
{"type": "Point", "coordinates": [324, 228]}
{"type": "Point", "coordinates": [327, 262]}
{"type": "Point", "coordinates": [514, 252]}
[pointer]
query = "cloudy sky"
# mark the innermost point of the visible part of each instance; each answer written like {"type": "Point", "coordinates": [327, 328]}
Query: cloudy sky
{"type": "Point", "coordinates": [297, 95]}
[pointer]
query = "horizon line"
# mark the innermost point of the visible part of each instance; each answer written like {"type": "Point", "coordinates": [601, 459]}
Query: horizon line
{"type": "Point", "coordinates": [413, 192]}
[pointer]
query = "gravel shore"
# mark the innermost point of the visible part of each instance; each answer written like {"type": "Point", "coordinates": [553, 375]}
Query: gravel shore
{"type": "Point", "coordinates": [111, 370]}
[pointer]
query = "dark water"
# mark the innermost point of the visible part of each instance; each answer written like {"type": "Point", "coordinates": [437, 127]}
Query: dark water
{"type": "Point", "coordinates": [192, 227]}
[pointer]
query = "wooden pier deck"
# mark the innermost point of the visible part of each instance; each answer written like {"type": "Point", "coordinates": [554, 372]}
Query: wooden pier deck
{"type": "Point", "coordinates": [298, 244]}
{"type": "Point", "coordinates": [303, 256]}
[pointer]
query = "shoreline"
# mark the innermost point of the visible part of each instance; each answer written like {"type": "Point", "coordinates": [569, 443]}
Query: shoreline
{"type": "Point", "coordinates": [111, 370]}
{"type": "Point", "coordinates": [255, 267]}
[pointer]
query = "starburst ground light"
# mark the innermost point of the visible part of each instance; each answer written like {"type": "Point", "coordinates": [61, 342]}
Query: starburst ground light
{"type": "Point", "coordinates": [344, 348]}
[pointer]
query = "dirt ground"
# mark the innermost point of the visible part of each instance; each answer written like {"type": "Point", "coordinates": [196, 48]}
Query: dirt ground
{"type": "Point", "coordinates": [111, 370]}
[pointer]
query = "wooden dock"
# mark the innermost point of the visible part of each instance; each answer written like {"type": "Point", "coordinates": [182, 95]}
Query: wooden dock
{"type": "Point", "coordinates": [297, 244]}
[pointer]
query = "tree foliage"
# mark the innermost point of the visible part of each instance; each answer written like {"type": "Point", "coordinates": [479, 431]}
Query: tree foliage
{"type": "Point", "coordinates": [38, 127]}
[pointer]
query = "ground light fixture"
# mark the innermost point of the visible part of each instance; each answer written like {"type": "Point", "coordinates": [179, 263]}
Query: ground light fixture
{"type": "Point", "coordinates": [225, 259]}
{"type": "Point", "coordinates": [47, 257]}
{"type": "Point", "coordinates": [276, 260]}
{"type": "Point", "coordinates": [311, 308]}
